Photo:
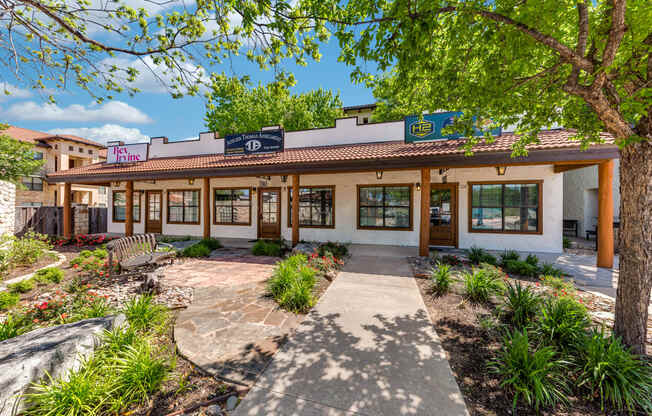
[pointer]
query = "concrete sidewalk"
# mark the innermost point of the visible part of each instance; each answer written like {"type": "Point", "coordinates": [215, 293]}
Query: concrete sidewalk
{"type": "Point", "coordinates": [367, 348]}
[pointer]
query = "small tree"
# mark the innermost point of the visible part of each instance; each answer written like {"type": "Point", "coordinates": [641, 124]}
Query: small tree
{"type": "Point", "coordinates": [236, 107]}
{"type": "Point", "coordinates": [16, 158]}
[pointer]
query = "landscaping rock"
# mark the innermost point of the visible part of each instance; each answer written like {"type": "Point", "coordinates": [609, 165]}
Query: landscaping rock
{"type": "Point", "coordinates": [213, 410]}
{"type": "Point", "coordinates": [55, 350]}
{"type": "Point", "coordinates": [305, 248]}
{"type": "Point", "coordinates": [231, 403]}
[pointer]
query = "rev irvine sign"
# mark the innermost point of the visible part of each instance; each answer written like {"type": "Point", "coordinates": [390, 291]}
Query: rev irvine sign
{"type": "Point", "coordinates": [129, 153]}
{"type": "Point", "coordinates": [267, 141]}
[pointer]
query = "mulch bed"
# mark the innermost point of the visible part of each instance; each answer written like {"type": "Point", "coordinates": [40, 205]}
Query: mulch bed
{"type": "Point", "coordinates": [23, 270]}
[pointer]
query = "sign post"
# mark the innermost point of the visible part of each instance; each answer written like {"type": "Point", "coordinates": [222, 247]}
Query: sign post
{"type": "Point", "coordinates": [431, 126]}
{"type": "Point", "coordinates": [266, 141]}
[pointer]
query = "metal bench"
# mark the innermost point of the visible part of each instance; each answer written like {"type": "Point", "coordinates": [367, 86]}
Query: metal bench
{"type": "Point", "coordinates": [138, 254]}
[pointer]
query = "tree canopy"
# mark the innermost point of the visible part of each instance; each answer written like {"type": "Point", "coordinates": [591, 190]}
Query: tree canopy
{"type": "Point", "coordinates": [237, 107]}
{"type": "Point", "coordinates": [17, 159]}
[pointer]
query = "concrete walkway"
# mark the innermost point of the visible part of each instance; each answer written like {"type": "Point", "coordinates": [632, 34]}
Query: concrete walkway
{"type": "Point", "coordinates": [367, 348]}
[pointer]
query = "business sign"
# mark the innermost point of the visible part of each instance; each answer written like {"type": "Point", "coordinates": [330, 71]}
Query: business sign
{"type": "Point", "coordinates": [431, 126]}
{"type": "Point", "coordinates": [128, 153]}
{"type": "Point", "coordinates": [268, 141]}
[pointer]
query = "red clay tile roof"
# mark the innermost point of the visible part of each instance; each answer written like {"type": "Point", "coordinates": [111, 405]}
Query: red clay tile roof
{"type": "Point", "coordinates": [33, 136]}
{"type": "Point", "coordinates": [380, 151]}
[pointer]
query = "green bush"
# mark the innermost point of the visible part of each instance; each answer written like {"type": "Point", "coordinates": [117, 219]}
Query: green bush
{"type": "Point", "coordinates": [49, 275]}
{"type": "Point", "coordinates": [23, 286]}
{"type": "Point", "coordinates": [509, 255]}
{"type": "Point", "coordinates": [566, 243]}
{"type": "Point", "coordinates": [8, 300]}
{"type": "Point", "coordinates": [481, 284]}
{"type": "Point", "coordinates": [267, 248]}
{"type": "Point", "coordinates": [521, 304]}
{"type": "Point", "coordinates": [14, 325]}
{"type": "Point", "coordinates": [521, 267]}
{"type": "Point", "coordinates": [29, 248]}
{"type": "Point", "coordinates": [5, 263]}
{"type": "Point", "coordinates": [532, 259]}
{"type": "Point", "coordinates": [479, 255]}
{"type": "Point", "coordinates": [196, 250]}
{"type": "Point", "coordinates": [211, 243]}
{"type": "Point", "coordinates": [139, 373]}
{"type": "Point", "coordinates": [557, 283]}
{"type": "Point", "coordinates": [441, 279]}
{"type": "Point", "coordinates": [338, 250]}
{"type": "Point", "coordinates": [533, 376]}
{"type": "Point", "coordinates": [292, 283]}
{"type": "Point", "coordinates": [618, 377]}
{"type": "Point", "coordinates": [548, 269]}
{"type": "Point", "coordinates": [562, 322]}
{"type": "Point", "coordinates": [142, 313]}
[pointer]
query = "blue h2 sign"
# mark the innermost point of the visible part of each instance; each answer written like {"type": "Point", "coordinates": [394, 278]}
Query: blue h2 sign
{"type": "Point", "coordinates": [431, 126]}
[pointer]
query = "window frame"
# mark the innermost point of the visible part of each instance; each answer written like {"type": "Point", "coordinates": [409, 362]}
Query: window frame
{"type": "Point", "coordinates": [386, 185]}
{"type": "Point", "coordinates": [140, 214]}
{"type": "Point", "coordinates": [232, 188]}
{"type": "Point", "coordinates": [31, 187]}
{"type": "Point", "coordinates": [539, 230]}
{"type": "Point", "coordinates": [183, 213]}
{"type": "Point", "coordinates": [331, 187]}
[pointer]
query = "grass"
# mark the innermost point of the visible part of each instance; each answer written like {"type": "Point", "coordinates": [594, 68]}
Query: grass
{"type": "Point", "coordinates": [563, 322]}
{"type": "Point", "coordinates": [267, 248]}
{"type": "Point", "coordinates": [481, 284]}
{"type": "Point", "coordinates": [441, 278]}
{"type": "Point", "coordinates": [49, 275]}
{"type": "Point", "coordinates": [8, 300]}
{"type": "Point", "coordinates": [521, 304]}
{"type": "Point", "coordinates": [196, 250]}
{"type": "Point", "coordinates": [292, 284]}
{"type": "Point", "coordinates": [143, 314]}
{"type": "Point", "coordinates": [23, 286]}
{"type": "Point", "coordinates": [479, 255]}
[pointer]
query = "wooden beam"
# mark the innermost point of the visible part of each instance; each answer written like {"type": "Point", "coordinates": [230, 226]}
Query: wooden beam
{"type": "Point", "coordinates": [67, 210]}
{"type": "Point", "coordinates": [295, 210]}
{"type": "Point", "coordinates": [605, 215]}
{"type": "Point", "coordinates": [567, 167]}
{"type": "Point", "coordinates": [207, 207]}
{"type": "Point", "coordinates": [424, 229]}
{"type": "Point", "coordinates": [129, 208]}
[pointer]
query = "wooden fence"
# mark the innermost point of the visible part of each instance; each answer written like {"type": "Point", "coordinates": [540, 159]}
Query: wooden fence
{"type": "Point", "coordinates": [49, 220]}
{"type": "Point", "coordinates": [97, 220]}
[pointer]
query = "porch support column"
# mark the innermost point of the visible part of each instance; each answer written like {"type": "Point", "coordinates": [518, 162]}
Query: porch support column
{"type": "Point", "coordinates": [605, 215]}
{"type": "Point", "coordinates": [129, 208]}
{"type": "Point", "coordinates": [207, 207]}
{"type": "Point", "coordinates": [67, 211]}
{"type": "Point", "coordinates": [424, 229]}
{"type": "Point", "coordinates": [295, 210]}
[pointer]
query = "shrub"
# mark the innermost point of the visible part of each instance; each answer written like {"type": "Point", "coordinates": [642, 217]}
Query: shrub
{"type": "Point", "coordinates": [441, 278]}
{"type": "Point", "coordinates": [5, 263]}
{"type": "Point", "coordinates": [23, 286]}
{"type": "Point", "coordinates": [478, 255]}
{"type": "Point", "coordinates": [211, 243]}
{"type": "Point", "coordinates": [509, 255]}
{"type": "Point", "coordinates": [481, 284]}
{"type": "Point", "coordinates": [618, 377]}
{"type": "Point", "coordinates": [292, 283]}
{"type": "Point", "coordinates": [521, 267]}
{"type": "Point", "coordinates": [324, 263]}
{"type": "Point", "coordinates": [29, 249]}
{"type": "Point", "coordinates": [565, 242]}
{"type": "Point", "coordinates": [139, 373]}
{"type": "Point", "coordinates": [142, 313]}
{"type": "Point", "coordinates": [557, 283]}
{"type": "Point", "coordinates": [49, 274]}
{"type": "Point", "coordinates": [532, 259]}
{"type": "Point", "coordinates": [298, 296]}
{"type": "Point", "coordinates": [267, 248]}
{"type": "Point", "coordinates": [548, 269]}
{"type": "Point", "coordinates": [533, 376]}
{"type": "Point", "coordinates": [337, 250]}
{"type": "Point", "coordinates": [451, 259]}
{"type": "Point", "coordinates": [8, 300]}
{"type": "Point", "coordinates": [562, 322]}
{"type": "Point", "coordinates": [196, 250]}
{"type": "Point", "coordinates": [14, 325]}
{"type": "Point", "coordinates": [522, 305]}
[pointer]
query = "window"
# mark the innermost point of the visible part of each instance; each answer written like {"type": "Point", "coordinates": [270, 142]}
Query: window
{"type": "Point", "coordinates": [38, 155]}
{"type": "Point", "coordinates": [365, 120]}
{"type": "Point", "coordinates": [120, 206]}
{"type": "Point", "coordinates": [90, 151]}
{"type": "Point", "coordinates": [232, 206]}
{"type": "Point", "coordinates": [505, 207]}
{"type": "Point", "coordinates": [385, 207]}
{"type": "Point", "coordinates": [33, 183]}
{"type": "Point", "coordinates": [183, 207]}
{"type": "Point", "coordinates": [315, 206]}
{"type": "Point", "coordinates": [31, 204]}
{"type": "Point", "coordinates": [71, 148]}
{"type": "Point", "coordinates": [81, 150]}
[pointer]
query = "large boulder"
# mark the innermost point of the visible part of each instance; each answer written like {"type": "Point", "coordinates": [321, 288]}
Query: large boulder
{"type": "Point", "coordinates": [305, 248]}
{"type": "Point", "coordinates": [26, 358]}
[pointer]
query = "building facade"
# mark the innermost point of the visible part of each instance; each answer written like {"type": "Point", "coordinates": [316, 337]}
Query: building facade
{"type": "Point", "coordinates": [358, 183]}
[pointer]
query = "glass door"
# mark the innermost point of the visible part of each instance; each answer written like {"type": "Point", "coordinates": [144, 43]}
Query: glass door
{"type": "Point", "coordinates": [443, 214]}
{"type": "Point", "coordinates": [269, 213]}
{"type": "Point", "coordinates": [153, 212]}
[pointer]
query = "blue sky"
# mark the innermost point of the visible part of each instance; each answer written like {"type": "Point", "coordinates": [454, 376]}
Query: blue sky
{"type": "Point", "coordinates": [154, 112]}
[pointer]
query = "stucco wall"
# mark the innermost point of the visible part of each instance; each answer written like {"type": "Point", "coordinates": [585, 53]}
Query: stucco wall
{"type": "Point", "coordinates": [346, 209]}
{"type": "Point", "coordinates": [7, 207]}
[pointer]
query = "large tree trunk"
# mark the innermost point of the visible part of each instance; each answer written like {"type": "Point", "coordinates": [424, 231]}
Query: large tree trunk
{"type": "Point", "coordinates": [635, 281]}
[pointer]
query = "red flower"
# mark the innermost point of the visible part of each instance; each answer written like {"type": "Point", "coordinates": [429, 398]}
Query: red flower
{"type": "Point", "coordinates": [64, 316]}
{"type": "Point", "coordinates": [75, 266]}
{"type": "Point", "coordinates": [43, 306]}
{"type": "Point", "coordinates": [538, 284]}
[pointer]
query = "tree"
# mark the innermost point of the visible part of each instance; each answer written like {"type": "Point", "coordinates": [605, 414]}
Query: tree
{"type": "Point", "coordinates": [16, 158]}
{"type": "Point", "coordinates": [581, 64]}
{"type": "Point", "coordinates": [236, 107]}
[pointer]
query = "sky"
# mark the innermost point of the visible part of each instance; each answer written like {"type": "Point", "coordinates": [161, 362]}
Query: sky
{"type": "Point", "coordinates": [154, 112]}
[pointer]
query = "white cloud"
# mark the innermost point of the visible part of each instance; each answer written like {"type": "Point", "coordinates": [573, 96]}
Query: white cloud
{"type": "Point", "coordinates": [106, 133]}
{"type": "Point", "coordinates": [107, 112]}
{"type": "Point", "coordinates": [8, 91]}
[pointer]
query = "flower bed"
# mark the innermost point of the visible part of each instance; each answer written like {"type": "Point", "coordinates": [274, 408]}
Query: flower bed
{"type": "Point", "coordinates": [83, 240]}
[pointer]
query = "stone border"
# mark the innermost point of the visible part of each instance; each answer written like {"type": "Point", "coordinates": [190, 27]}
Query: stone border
{"type": "Point", "coordinates": [61, 257]}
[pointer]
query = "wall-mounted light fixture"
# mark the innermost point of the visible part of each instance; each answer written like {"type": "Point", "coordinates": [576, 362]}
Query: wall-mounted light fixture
{"type": "Point", "coordinates": [116, 184]}
{"type": "Point", "coordinates": [418, 186]}
{"type": "Point", "coordinates": [379, 174]}
{"type": "Point", "coordinates": [191, 181]}
{"type": "Point", "coordinates": [443, 171]}
{"type": "Point", "coordinates": [253, 188]}
{"type": "Point", "coordinates": [501, 170]}
{"type": "Point", "coordinates": [284, 178]}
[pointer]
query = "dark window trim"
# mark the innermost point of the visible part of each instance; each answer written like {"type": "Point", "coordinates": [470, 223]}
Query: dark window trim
{"type": "Point", "coordinates": [31, 186]}
{"type": "Point", "coordinates": [539, 230]}
{"type": "Point", "coordinates": [332, 187]}
{"type": "Point", "coordinates": [139, 193]}
{"type": "Point", "coordinates": [231, 188]}
{"type": "Point", "coordinates": [183, 213]}
{"type": "Point", "coordinates": [386, 185]}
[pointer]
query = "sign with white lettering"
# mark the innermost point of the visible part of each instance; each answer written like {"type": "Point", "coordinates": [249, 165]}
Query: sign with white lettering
{"type": "Point", "coordinates": [267, 141]}
{"type": "Point", "coordinates": [128, 153]}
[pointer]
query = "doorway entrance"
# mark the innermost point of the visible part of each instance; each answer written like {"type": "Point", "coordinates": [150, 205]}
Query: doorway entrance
{"type": "Point", "coordinates": [443, 214]}
{"type": "Point", "coordinates": [269, 213]}
{"type": "Point", "coordinates": [153, 212]}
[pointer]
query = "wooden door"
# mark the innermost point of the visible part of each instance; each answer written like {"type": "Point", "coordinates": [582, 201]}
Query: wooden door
{"type": "Point", "coordinates": [269, 213]}
{"type": "Point", "coordinates": [153, 212]}
{"type": "Point", "coordinates": [443, 214]}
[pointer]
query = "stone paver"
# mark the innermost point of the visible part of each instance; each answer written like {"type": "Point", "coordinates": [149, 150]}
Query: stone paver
{"type": "Point", "coordinates": [367, 348]}
{"type": "Point", "coordinates": [232, 328]}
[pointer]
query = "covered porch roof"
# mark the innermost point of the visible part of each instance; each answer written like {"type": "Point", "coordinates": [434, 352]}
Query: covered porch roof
{"type": "Point", "coordinates": [554, 147]}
